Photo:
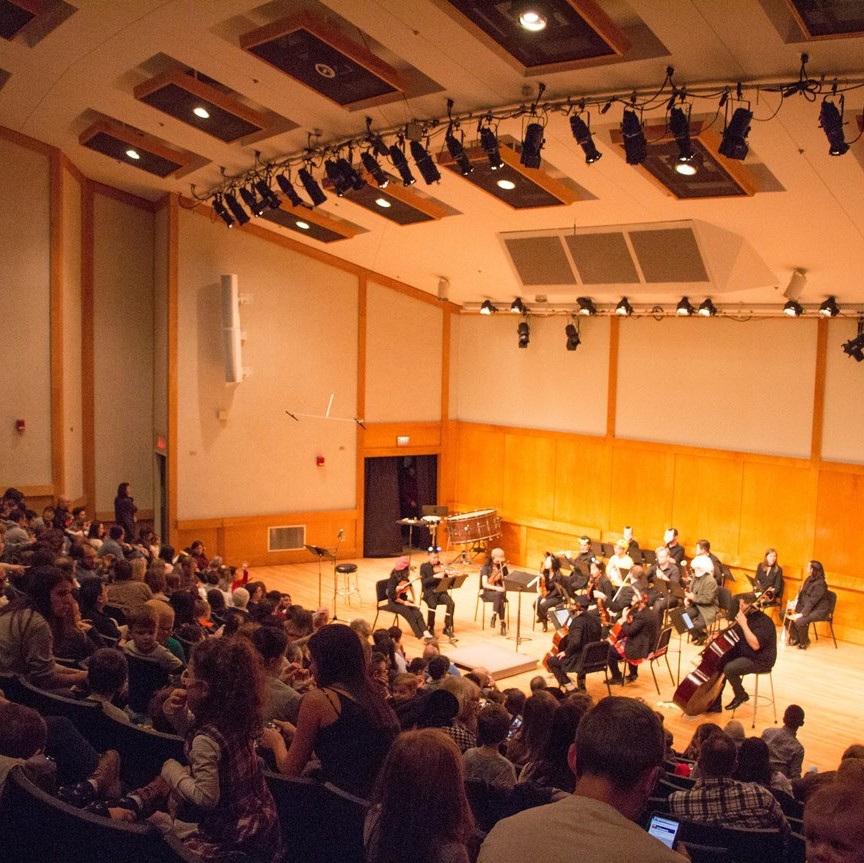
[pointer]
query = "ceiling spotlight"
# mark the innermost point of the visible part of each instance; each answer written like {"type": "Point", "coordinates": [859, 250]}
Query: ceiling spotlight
{"type": "Point", "coordinates": [532, 17]}
{"type": "Point", "coordinates": [793, 308]}
{"type": "Point", "coordinates": [506, 185]}
{"type": "Point", "coordinates": [855, 347]}
{"type": "Point", "coordinates": [379, 148]}
{"type": "Point", "coordinates": [370, 163]}
{"type": "Point", "coordinates": [586, 306]}
{"type": "Point", "coordinates": [707, 309]}
{"type": "Point", "coordinates": [288, 189]}
{"type": "Point", "coordinates": [635, 145]}
{"type": "Point", "coordinates": [400, 163]}
{"type": "Point", "coordinates": [573, 339]}
{"type": "Point", "coordinates": [268, 196]}
{"type": "Point", "coordinates": [734, 144]}
{"type": "Point", "coordinates": [684, 308]}
{"type": "Point", "coordinates": [219, 209]}
{"type": "Point", "coordinates": [487, 308]}
{"type": "Point", "coordinates": [457, 151]}
{"type": "Point", "coordinates": [524, 332]}
{"type": "Point", "coordinates": [679, 125]}
{"type": "Point", "coordinates": [582, 133]}
{"type": "Point", "coordinates": [624, 308]}
{"type": "Point", "coordinates": [518, 306]}
{"type": "Point", "coordinates": [341, 184]}
{"type": "Point", "coordinates": [201, 111]}
{"type": "Point", "coordinates": [532, 144]}
{"type": "Point", "coordinates": [831, 121]}
{"type": "Point", "coordinates": [255, 206]}
{"type": "Point", "coordinates": [313, 190]}
{"type": "Point", "coordinates": [489, 142]}
{"type": "Point", "coordinates": [686, 169]}
{"type": "Point", "coordinates": [304, 226]}
{"type": "Point", "coordinates": [425, 164]}
{"type": "Point", "coordinates": [133, 154]}
{"type": "Point", "coordinates": [234, 205]}
{"type": "Point", "coordinates": [355, 181]}
{"type": "Point", "coordinates": [829, 308]}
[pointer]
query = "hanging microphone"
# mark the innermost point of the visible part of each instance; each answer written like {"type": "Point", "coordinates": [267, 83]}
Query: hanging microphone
{"type": "Point", "coordinates": [341, 534]}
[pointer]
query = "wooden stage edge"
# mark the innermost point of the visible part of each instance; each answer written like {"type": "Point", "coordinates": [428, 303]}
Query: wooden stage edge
{"type": "Point", "coordinates": [827, 682]}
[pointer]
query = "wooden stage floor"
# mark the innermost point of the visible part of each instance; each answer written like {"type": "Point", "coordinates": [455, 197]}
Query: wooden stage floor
{"type": "Point", "coordinates": [827, 683]}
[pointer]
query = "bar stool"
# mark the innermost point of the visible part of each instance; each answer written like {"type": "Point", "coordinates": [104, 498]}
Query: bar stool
{"type": "Point", "coordinates": [766, 698]}
{"type": "Point", "coordinates": [346, 570]}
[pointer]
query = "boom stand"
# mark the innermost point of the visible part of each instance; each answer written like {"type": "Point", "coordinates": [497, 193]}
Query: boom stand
{"type": "Point", "coordinates": [320, 553]}
{"type": "Point", "coordinates": [521, 582]}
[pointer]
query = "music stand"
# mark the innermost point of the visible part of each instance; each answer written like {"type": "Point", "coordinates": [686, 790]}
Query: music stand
{"type": "Point", "coordinates": [683, 626]}
{"type": "Point", "coordinates": [320, 553]}
{"type": "Point", "coordinates": [450, 582]}
{"type": "Point", "coordinates": [521, 582]}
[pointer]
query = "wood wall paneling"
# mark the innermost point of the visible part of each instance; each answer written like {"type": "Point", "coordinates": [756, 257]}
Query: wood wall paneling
{"type": "Point", "coordinates": [581, 482]}
{"type": "Point", "coordinates": [529, 490]}
{"type": "Point", "coordinates": [642, 484]}
{"type": "Point", "coordinates": [481, 467]}
{"type": "Point", "coordinates": [837, 542]}
{"type": "Point", "coordinates": [382, 436]}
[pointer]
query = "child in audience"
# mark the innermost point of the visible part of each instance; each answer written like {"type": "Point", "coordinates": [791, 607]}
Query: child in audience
{"type": "Point", "coordinates": [485, 761]}
{"type": "Point", "coordinates": [23, 734]}
{"type": "Point", "coordinates": [107, 673]}
{"type": "Point", "coordinates": [165, 628]}
{"type": "Point", "coordinates": [143, 643]}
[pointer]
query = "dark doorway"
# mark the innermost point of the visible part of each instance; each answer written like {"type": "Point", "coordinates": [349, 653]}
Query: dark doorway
{"type": "Point", "coordinates": [160, 515]}
{"type": "Point", "coordinates": [397, 488]}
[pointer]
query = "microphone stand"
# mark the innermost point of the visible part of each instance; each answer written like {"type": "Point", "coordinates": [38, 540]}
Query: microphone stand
{"type": "Point", "coordinates": [339, 537]}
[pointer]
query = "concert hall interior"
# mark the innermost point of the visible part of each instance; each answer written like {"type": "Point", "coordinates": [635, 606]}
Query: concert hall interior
{"type": "Point", "coordinates": [251, 412]}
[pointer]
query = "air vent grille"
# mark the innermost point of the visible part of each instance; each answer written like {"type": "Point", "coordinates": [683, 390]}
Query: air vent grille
{"type": "Point", "coordinates": [288, 538]}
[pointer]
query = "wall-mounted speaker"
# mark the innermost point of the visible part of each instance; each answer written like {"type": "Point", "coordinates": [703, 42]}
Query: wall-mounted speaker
{"type": "Point", "coordinates": [231, 332]}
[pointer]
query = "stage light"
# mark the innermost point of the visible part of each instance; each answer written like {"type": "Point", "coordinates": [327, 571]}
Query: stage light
{"type": "Point", "coordinates": [582, 133]}
{"type": "Point", "coordinates": [532, 144]}
{"type": "Point", "coordinates": [573, 339]}
{"type": "Point", "coordinates": [219, 209]}
{"type": "Point", "coordinates": [524, 332]}
{"type": "Point", "coordinates": [831, 121]}
{"type": "Point", "coordinates": [684, 308]}
{"type": "Point", "coordinates": [518, 306]}
{"type": "Point", "coordinates": [425, 164]}
{"type": "Point", "coordinates": [487, 308]}
{"type": "Point", "coordinates": [341, 184]}
{"type": "Point", "coordinates": [734, 144]}
{"type": "Point", "coordinates": [855, 347]}
{"type": "Point", "coordinates": [533, 17]}
{"type": "Point", "coordinates": [586, 306]}
{"type": "Point", "coordinates": [355, 181]}
{"type": "Point", "coordinates": [624, 308]}
{"type": "Point", "coordinates": [679, 125]}
{"type": "Point", "coordinates": [268, 196]}
{"type": "Point", "coordinates": [400, 163]}
{"type": "Point", "coordinates": [234, 205]}
{"type": "Point", "coordinates": [829, 308]}
{"type": "Point", "coordinates": [287, 187]}
{"type": "Point", "coordinates": [370, 163]}
{"type": "Point", "coordinates": [489, 142]}
{"type": "Point", "coordinates": [635, 145]}
{"type": "Point", "coordinates": [256, 207]}
{"type": "Point", "coordinates": [457, 151]}
{"type": "Point", "coordinates": [313, 190]}
{"type": "Point", "coordinates": [793, 308]}
{"type": "Point", "coordinates": [707, 309]}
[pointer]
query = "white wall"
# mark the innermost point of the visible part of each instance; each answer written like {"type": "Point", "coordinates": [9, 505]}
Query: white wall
{"type": "Point", "coordinates": [843, 429]}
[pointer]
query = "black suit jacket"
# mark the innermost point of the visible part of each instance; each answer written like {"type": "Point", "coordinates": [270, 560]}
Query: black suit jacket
{"type": "Point", "coordinates": [583, 630]}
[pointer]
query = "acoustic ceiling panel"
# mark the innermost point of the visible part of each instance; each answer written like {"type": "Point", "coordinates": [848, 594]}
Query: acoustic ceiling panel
{"type": "Point", "coordinates": [669, 255]}
{"type": "Point", "coordinates": [310, 223]}
{"type": "Point", "coordinates": [15, 15]}
{"type": "Point", "coordinates": [828, 19]}
{"type": "Point", "coordinates": [602, 259]}
{"type": "Point", "coordinates": [540, 261]}
{"type": "Point", "coordinates": [133, 147]}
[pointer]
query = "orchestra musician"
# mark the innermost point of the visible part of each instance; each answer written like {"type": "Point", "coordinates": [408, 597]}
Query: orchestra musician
{"type": "Point", "coordinates": [582, 629]}
{"type": "Point", "coordinates": [551, 588]}
{"type": "Point", "coordinates": [400, 595]}
{"type": "Point", "coordinates": [637, 637]}
{"type": "Point", "coordinates": [700, 598]}
{"type": "Point", "coordinates": [620, 564]}
{"type": "Point", "coordinates": [599, 588]}
{"type": "Point", "coordinates": [431, 574]}
{"type": "Point", "coordinates": [664, 570]}
{"type": "Point", "coordinates": [769, 575]}
{"type": "Point", "coordinates": [632, 546]}
{"type": "Point", "coordinates": [675, 549]}
{"type": "Point", "coordinates": [812, 604]}
{"type": "Point", "coordinates": [704, 547]}
{"type": "Point", "coordinates": [581, 566]}
{"type": "Point", "coordinates": [492, 576]}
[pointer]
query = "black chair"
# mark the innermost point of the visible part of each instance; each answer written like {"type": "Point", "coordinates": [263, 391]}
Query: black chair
{"type": "Point", "coordinates": [480, 602]}
{"type": "Point", "coordinates": [828, 617]}
{"type": "Point", "coordinates": [348, 812]}
{"type": "Point", "coordinates": [680, 783]}
{"type": "Point", "coordinates": [594, 658]}
{"type": "Point", "coordinates": [792, 807]}
{"type": "Point", "coordinates": [796, 849]}
{"type": "Point", "coordinates": [745, 845]}
{"type": "Point", "coordinates": [382, 601]}
{"type": "Point", "coordinates": [80, 712]}
{"type": "Point", "coordinates": [10, 686]}
{"type": "Point", "coordinates": [661, 651]}
{"type": "Point", "coordinates": [664, 787]}
{"type": "Point", "coordinates": [146, 677]}
{"type": "Point", "coordinates": [116, 613]}
{"type": "Point", "coordinates": [34, 826]}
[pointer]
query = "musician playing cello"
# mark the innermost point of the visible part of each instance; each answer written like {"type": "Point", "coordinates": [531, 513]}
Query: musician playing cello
{"type": "Point", "coordinates": [400, 593]}
{"type": "Point", "coordinates": [551, 588]}
{"type": "Point", "coordinates": [492, 576]}
{"type": "Point", "coordinates": [637, 637]}
{"type": "Point", "coordinates": [582, 629]}
{"type": "Point", "coordinates": [431, 574]}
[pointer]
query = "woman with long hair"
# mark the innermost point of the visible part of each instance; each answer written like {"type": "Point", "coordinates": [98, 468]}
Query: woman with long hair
{"type": "Point", "coordinates": [344, 720]}
{"type": "Point", "coordinates": [813, 603]}
{"type": "Point", "coordinates": [769, 576]}
{"type": "Point", "coordinates": [26, 631]}
{"type": "Point", "coordinates": [406, 821]}
{"type": "Point", "coordinates": [528, 742]}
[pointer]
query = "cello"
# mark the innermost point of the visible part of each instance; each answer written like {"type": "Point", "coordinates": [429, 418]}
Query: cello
{"type": "Point", "coordinates": [700, 688]}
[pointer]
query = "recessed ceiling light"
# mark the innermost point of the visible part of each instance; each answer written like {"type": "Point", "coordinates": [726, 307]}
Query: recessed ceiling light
{"type": "Point", "coordinates": [304, 226]}
{"type": "Point", "coordinates": [688, 169]}
{"type": "Point", "coordinates": [509, 185]}
{"type": "Point", "coordinates": [201, 112]}
{"type": "Point", "coordinates": [133, 154]}
{"type": "Point", "coordinates": [383, 202]}
{"type": "Point", "coordinates": [532, 21]}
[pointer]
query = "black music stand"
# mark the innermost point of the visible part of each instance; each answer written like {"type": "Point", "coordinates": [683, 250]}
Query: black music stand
{"type": "Point", "coordinates": [521, 582]}
{"type": "Point", "coordinates": [450, 582]}
{"type": "Point", "coordinates": [320, 553]}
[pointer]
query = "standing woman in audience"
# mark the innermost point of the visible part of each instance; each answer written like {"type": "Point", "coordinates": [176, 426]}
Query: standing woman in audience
{"type": "Point", "coordinates": [813, 602]}
{"type": "Point", "coordinates": [408, 820]}
{"type": "Point", "coordinates": [124, 511]}
{"type": "Point", "coordinates": [345, 722]}
{"type": "Point", "coordinates": [769, 575]}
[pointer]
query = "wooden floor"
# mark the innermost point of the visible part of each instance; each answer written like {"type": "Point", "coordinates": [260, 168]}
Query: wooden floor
{"type": "Point", "coordinates": [827, 683]}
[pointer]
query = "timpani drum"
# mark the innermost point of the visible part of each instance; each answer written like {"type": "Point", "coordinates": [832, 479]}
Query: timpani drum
{"type": "Point", "coordinates": [474, 526]}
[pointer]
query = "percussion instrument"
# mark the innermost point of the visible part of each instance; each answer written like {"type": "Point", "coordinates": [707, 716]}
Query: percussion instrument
{"type": "Point", "coordinates": [474, 526]}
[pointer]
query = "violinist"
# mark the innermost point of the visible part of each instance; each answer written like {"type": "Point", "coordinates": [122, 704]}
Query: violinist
{"type": "Point", "coordinates": [637, 637]}
{"type": "Point", "coordinates": [769, 575]}
{"type": "Point", "coordinates": [552, 593]}
{"type": "Point", "coordinates": [492, 576]}
{"type": "Point", "coordinates": [660, 575]}
{"type": "Point", "coordinates": [583, 629]}
{"type": "Point", "coordinates": [701, 597]}
{"type": "Point", "coordinates": [619, 564]}
{"type": "Point", "coordinates": [599, 589]}
{"type": "Point", "coordinates": [581, 566]}
{"type": "Point", "coordinates": [431, 573]}
{"type": "Point", "coordinates": [400, 595]}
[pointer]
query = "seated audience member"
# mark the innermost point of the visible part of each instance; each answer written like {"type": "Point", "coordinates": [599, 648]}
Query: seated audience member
{"type": "Point", "coordinates": [538, 681]}
{"type": "Point", "coordinates": [71, 639]}
{"type": "Point", "coordinates": [754, 765]}
{"type": "Point", "coordinates": [93, 596]}
{"type": "Point", "coordinates": [378, 673]}
{"type": "Point", "coordinates": [401, 659]}
{"type": "Point", "coordinates": [616, 758]}
{"type": "Point", "coordinates": [787, 753]}
{"type": "Point", "coordinates": [436, 671]}
{"type": "Point", "coordinates": [464, 727]}
{"type": "Point", "coordinates": [124, 592]}
{"type": "Point", "coordinates": [834, 824]}
{"type": "Point", "coordinates": [157, 582]}
{"type": "Point", "coordinates": [23, 735]}
{"type": "Point", "coordinates": [809, 783]}
{"type": "Point", "coordinates": [240, 598]}
{"type": "Point", "coordinates": [434, 649]}
{"type": "Point", "coordinates": [484, 761]}
{"type": "Point", "coordinates": [362, 627]}
{"type": "Point", "coordinates": [405, 821]}
{"type": "Point", "coordinates": [321, 617]}
{"type": "Point", "coordinates": [165, 628]}
{"type": "Point", "coordinates": [719, 800]}
{"type": "Point", "coordinates": [281, 701]}
{"type": "Point", "coordinates": [107, 674]}
{"type": "Point", "coordinates": [528, 742]}
{"type": "Point", "coordinates": [407, 700]}
{"type": "Point", "coordinates": [113, 543]}
{"type": "Point", "coordinates": [514, 701]}
{"type": "Point", "coordinates": [143, 643]}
